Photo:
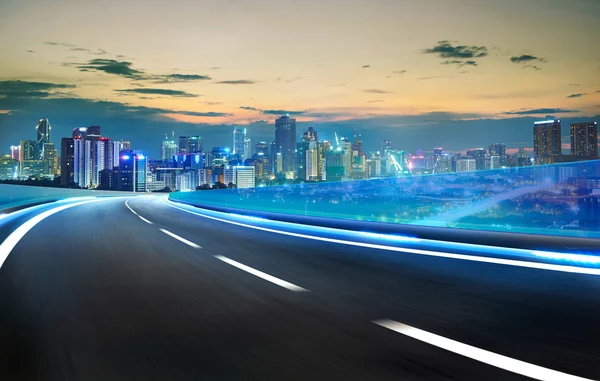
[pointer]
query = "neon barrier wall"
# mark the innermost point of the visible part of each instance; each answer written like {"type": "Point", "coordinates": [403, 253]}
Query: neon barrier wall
{"type": "Point", "coordinates": [561, 199]}
{"type": "Point", "coordinates": [18, 195]}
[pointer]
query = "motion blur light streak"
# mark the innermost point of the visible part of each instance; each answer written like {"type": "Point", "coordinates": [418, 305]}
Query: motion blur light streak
{"type": "Point", "coordinates": [490, 358]}
{"type": "Point", "coordinates": [588, 259]}
{"type": "Point", "coordinates": [13, 239]}
{"type": "Point", "coordinates": [474, 258]}
{"type": "Point", "coordinates": [260, 274]}
{"type": "Point", "coordinates": [389, 237]}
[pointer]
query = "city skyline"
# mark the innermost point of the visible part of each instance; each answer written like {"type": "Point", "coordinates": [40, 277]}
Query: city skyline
{"type": "Point", "coordinates": [473, 71]}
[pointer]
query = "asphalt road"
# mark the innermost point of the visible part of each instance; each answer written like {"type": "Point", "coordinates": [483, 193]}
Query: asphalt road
{"type": "Point", "coordinates": [98, 292]}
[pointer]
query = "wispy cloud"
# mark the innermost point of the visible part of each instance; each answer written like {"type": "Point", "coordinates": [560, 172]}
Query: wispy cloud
{"type": "Point", "coordinates": [526, 58]}
{"type": "Point", "coordinates": [273, 112]}
{"type": "Point", "coordinates": [25, 89]}
{"type": "Point", "coordinates": [376, 91]}
{"type": "Point", "coordinates": [108, 66]}
{"type": "Point", "coordinates": [52, 43]}
{"type": "Point", "coordinates": [174, 78]}
{"type": "Point", "coordinates": [376, 101]}
{"type": "Point", "coordinates": [540, 111]}
{"type": "Point", "coordinates": [460, 63]}
{"type": "Point", "coordinates": [366, 66]}
{"type": "Point", "coordinates": [444, 49]}
{"type": "Point", "coordinates": [237, 82]}
{"type": "Point", "coordinates": [212, 103]}
{"type": "Point", "coordinates": [167, 92]}
{"type": "Point", "coordinates": [578, 95]}
{"type": "Point", "coordinates": [399, 72]}
{"type": "Point", "coordinates": [30, 51]}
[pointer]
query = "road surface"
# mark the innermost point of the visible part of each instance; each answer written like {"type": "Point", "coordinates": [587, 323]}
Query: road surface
{"type": "Point", "coordinates": [112, 291]}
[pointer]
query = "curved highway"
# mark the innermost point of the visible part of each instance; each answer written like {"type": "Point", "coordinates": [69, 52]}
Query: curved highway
{"type": "Point", "coordinates": [138, 288]}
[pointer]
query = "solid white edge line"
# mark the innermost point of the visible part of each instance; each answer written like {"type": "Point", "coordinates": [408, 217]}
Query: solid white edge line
{"type": "Point", "coordinates": [473, 258]}
{"type": "Point", "coordinates": [134, 212]}
{"type": "Point", "coordinates": [189, 243]}
{"type": "Point", "coordinates": [260, 274]}
{"type": "Point", "coordinates": [13, 239]}
{"type": "Point", "coordinates": [490, 358]}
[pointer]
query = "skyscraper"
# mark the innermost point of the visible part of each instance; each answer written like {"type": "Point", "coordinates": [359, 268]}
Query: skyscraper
{"type": "Point", "coordinates": [479, 155]}
{"type": "Point", "coordinates": [584, 139]}
{"type": "Point", "coordinates": [168, 149]}
{"type": "Point", "coordinates": [309, 142]}
{"type": "Point", "coordinates": [190, 144]}
{"type": "Point", "coordinates": [67, 155]}
{"type": "Point", "coordinates": [239, 137]}
{"type": "Point", "coordinates": [546, 141]}
{"type": "Point", "coordinates": [43, 130]}
{"type": "Point", "coordinates": [15, 152]}
{"type": "Point", "coordinates": [28, 150]}
{"type": "Point", "coordinates": [132, 173]}
{"type": "Point", "coordinates": [51, 159]}
{"type": "Point", "coordinates": [91, 154]}
{"type": "Point", "coordinates": [285, 141]}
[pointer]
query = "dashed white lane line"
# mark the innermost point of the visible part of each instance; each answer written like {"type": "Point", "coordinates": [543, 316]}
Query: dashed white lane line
{"type": "Point", "coordinates": [260, 274]}
{"type": "Point", "coordinates": [181, 239]}
{"type": "Point", "coordinates": [465, 257]}
{"type": "Point", "coordinates": [507, 363]}
{"type": "Point", "coordinates": [13, 239]}
{"type": "Point", "coordinates": [134, 212]}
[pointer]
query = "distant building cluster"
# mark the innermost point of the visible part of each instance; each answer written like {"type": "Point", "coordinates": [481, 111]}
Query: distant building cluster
{"type": "Point", "coordinates": [89, 160]}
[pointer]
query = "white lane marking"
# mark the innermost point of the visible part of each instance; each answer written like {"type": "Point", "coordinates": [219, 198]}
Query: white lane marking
{"type": "Point", "coordinates": [134, 212]}
{"type": "Point", "coordinates": [260, 274]}
{"type": "Point", "coordinates": [474, 258]}
{"type": "Point", "coordinates": [13, 239]}
{"type": "Point", "coordinates": [189, 243]}
{"type": "Point", "coordinates": [490, 358]}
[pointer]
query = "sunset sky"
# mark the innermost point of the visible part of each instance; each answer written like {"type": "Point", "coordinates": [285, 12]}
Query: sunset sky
{"type": "Point", "coordinates": [422, 72]}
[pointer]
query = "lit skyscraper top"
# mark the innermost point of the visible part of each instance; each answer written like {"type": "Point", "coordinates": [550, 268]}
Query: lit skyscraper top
{"type": "Point", "coordinates": [43, 130]}
{"type": "Point", "coordinates": [239, 143]}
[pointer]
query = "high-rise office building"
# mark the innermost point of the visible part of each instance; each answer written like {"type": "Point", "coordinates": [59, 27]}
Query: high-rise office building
{"type": "Point", "coordinates": [15, 152]}
{"type": "Point", "coordinates": [132, 171]}
{"type": "Point", "coordinates": [466, 165]}
{"type": "Point", "coordinates": [479, 155]}
{"type": "Point", "coordinates": [308, 142]}
{"type": "Point", "coordinates": [28, 150]}
{"type": "Point", "coordinates": [546, 141]}
{"type": "Point", "coordinates": [30, 163]}
{"type": "Point", "coordinates": [241, 176]}
{"type": "Point", "coordinates": [43, 130]}
{"type": "Point", "coordinates": [91, 154]}
{"type": "Point", "coordinates": [191, 144]}
{"type": "Point", "coordinates": [285, 141]}
{"type": "Point", "coordinates": [335, 165]}
{"type": "Point", "coordinates": [9, 168]}
{"type": "Point", "coordinates": [220, 156]}
{"type": "Point", "coordinates": [51, 159]}
{"type": "Point", "coordinates": [67, 157]}
{"type": "Point", "coordinates": [584, 139]}
{"type": "Point", "coordinates": [195, 144]}
{"type": "Point", "coordinates": [443, 163]}
{"type": "Point", "coordinates": [239, 143]}
{"type": "Point", "coordinates": [168, 149]}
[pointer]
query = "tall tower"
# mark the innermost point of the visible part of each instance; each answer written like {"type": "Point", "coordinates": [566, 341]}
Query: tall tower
{"type": "Point", "coordinates": [43, 130]}
{"type": "Point", "coordinates": [285, 141]}
{"type": "Point", "coordinates": [546, 141]}
{"type": "Point", "coordinates": [584, 139]}
{"type": "Point", "coordinates": [239, 143]}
